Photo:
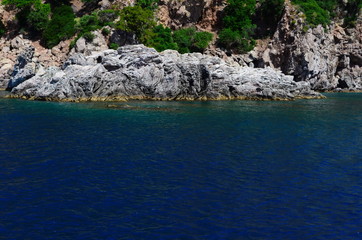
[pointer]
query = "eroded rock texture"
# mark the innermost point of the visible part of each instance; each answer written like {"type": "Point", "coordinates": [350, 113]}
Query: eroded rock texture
{"type": "Point", "coordinates": [138, 72]}
{"type": "Point", "coordinates": [330, 59]}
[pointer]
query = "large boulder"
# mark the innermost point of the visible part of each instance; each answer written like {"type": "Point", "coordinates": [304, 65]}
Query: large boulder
{"type": "Point", "coordinates": [88, 47]}
{"type": "Point", "coordinates": [138, 72]}
{"type": "Point", "coordinates": [24, 68]}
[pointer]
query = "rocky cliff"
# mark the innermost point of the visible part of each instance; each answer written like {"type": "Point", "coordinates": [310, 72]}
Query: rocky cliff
{"type": "Point", "coordinates": [138, 72]}
{"type": "Point", "coordinates": [205, 14]}
{"type": "Point", "coordinates": [328, 59]}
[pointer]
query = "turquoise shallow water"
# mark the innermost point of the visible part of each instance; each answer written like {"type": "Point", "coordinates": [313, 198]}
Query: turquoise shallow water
{"type": "Point", "coordinates": [182, 170]}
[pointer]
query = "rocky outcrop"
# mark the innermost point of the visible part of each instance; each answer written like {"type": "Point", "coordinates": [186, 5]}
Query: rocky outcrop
{"type": "Point", "coordinates": [330, 59]}
{"type": "Point", "coordinates": [89, 47]}
{"type": "Point", "coordinates": [24, 68]}
{"type": "Point", "coordinates": [204, 14]}
{"type": "Point", "coordinates": [138, 72]}
{"type": "Point", "coordinates": [11, 49]}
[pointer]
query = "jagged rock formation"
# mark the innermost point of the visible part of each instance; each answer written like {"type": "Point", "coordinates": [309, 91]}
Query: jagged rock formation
{"type": "Point", "coordinates": [98, 43]}
{"type": "Point", "coordinates": [204, 14]}
{"type": "Point", "coordinates": [24, 68]}
{"type": "Point", "coordinates": [138, 72]}
{"type": "Point", "coordinates": [10, 50]}
{"type": "Point", "coordinates": [329, 59]}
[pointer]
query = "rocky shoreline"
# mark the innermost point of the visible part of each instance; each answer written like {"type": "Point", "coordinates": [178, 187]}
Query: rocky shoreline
{"type": "Point", "coordinates": [135, 72]}
{"type": "Point", "coordinates": [328, 59]}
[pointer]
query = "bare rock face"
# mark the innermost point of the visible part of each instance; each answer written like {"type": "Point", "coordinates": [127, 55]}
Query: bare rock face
{"type": "Point", "coordinates": [89, 47]}
{"type": "Point", "coordinates": [330, 59]}
{"type": "Point", "coordinates": [122, 38]}
{"type": "Point", "coordinates": [205, 14]}
{"type": "Point", "coordinates": [138, 72]}
{"type": "Point", "coordinates": [24, 68]}
{"type": "Point", "coordinates": [10, 49]}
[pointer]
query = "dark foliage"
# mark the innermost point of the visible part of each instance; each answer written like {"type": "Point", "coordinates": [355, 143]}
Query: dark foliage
{"type": "Point", "coordinates": [88, 36]}
{"type": "Point", "coordinates": [238, 27]}
{"type": "Point", "coordinates": [2, 29]}
{"type": "Point", "coordinates": [162, 39]}
{"type": "Point", "coordinates": [38, 17]}
{"type": "Point", "coordinates": [60, 27]}
{"type": "Point", "coordinates": [190, 40]}
{"type": "Point", "coordinates": [149, 4]}
{"type": "Point", "coordinates": [353, 8]}
{"type": "Point", "coordinates": [139, 21]}
{"type": "Point", "coordinates": [107, 17]}
{"type": "Point", "coordinates": [268, 16]}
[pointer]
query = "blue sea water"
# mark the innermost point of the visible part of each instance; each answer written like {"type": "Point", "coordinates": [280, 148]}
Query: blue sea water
{"type": "Point", "coordinates": [182, 170]}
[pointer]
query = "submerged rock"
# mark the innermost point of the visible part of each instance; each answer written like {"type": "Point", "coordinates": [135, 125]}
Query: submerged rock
{"type": "Point", "coordinates": [138, 72]}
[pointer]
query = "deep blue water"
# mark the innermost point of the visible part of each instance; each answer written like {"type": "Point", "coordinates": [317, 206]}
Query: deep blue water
{"type": "Point", "coordinates": [182, 170]}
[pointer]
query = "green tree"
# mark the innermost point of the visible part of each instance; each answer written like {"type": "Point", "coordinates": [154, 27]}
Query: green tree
{"type": "Point", "coordinates": [314, 13]}
{"type": "Point", "coordinates": [38, 17]}
{"type": "Point", "coordinates": [87, 23]}
{"type": "Point", "coordinates": [60, 27]}
{"type": "Point", "coordinates": [238, 25]}
{"type": "Point", "coordinates": [106, 17]}
{"type": "Point", "coordinates": [190, 40]}
{"type": "Point", "coordinates": [139, 21]}
{"type": "Point", "coordinates": [162, 39]}
{"type": "Point", "coordinates": [20, 3]}
{"type": "Point", "coordinates": [149, 4]}
{"type": "Point", "coordinates": [231, 39]}
{"type": "Point", "coordinates": [201, 41]}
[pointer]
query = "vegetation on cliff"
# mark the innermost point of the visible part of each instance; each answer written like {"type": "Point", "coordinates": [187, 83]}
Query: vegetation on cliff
{"type": "Point", "coordinates": [238, 26]}
{"type": "Point", "coordinates": [2, 28]}
{"type": "Point", "coordinates": [323, 11]}
{"type": "Point", "coordinates": [243, 21]}
{"type": "Point", "coordinates": [141, 21]}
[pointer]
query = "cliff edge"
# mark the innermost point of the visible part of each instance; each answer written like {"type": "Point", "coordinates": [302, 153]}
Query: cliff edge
{"type": "Point", "coordinates": [138, 72]}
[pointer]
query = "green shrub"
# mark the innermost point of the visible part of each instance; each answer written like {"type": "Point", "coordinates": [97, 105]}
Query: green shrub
{"type": "Point", "coordinates": [2, 29]}
{"type": "Point", "coordinates": [106, 17]}
{"type": "Point", "coordinates": [201, 41]}
{"type": "Point", "coordinates": [238, 26]}
{"type": "Point", "coordinates": [328, 5]}
{"type": "Point", "coordinates": [22, 16]}
{"type": "Point", "coordinates": [106, 31]}
{"type": "Point", "coordinates": [60, 27]}
{"type": "Point", "coordinates": [189, 40]}
{"type": "Point", "coordinates": [88, 36]}
{"type": "Point", "coordinates": [114, 46]}
{"type": "Point", "coordinates": [72, 43]}
{"type": "Point", "coordinates": [139, 21]}
{"type": "Point", "coordinates": [231, 39]}
{"type": "Point", "coordinates": [353, 8]}
{"type": "Point", "coordinates": [149, 4]}
{"type": "Point", "coordinates": [314, 13]}
{"type": "Point", "coordinates": [38, 17]}
{"type": "Point", "coordinates": [58, 3]}
{"type": "Point", "coordinates": [183, 38]}
{"type": "Point", "coordinates": [20, 3]}
{"type": "Point", "coordinates": [87, 23]}
{"type": "Point", "coordinates": [162, 39]}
